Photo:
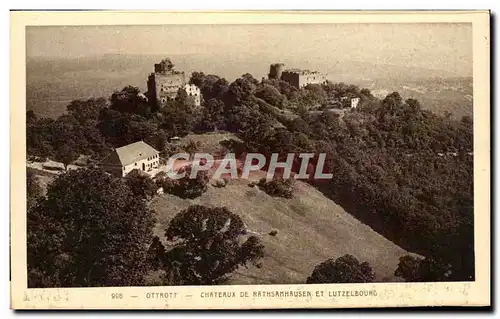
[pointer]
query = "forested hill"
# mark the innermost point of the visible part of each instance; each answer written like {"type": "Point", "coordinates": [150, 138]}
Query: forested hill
{"type": "Point", "coordinates": [404, 171]}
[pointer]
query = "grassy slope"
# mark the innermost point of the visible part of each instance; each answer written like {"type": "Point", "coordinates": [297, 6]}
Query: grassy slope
{"type": "Point", "coordinates": [311, 228]}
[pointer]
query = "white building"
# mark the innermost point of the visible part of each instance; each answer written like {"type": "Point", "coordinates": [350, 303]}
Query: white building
{"type": "Point", "coordinates": [194, 92]}
{"type": "Point", "coordinates": [138, 155]}
{"type": "Point", "coordinates": [354, 102]}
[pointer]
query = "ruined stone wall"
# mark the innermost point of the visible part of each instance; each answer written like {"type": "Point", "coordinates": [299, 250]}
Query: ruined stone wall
{"type": "Point", "coordinates": [299, 78]}
{"type": "Point", "coordinates": [293, 78]}
{"type": "Point", "coordinates": [166, 85]}
{"type": "Point", "coordinates": [311, 78]}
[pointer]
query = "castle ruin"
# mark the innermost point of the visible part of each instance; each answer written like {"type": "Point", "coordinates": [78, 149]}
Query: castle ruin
{"type": "Point", "coordinates": [295, 77]}
{"type": "Point", "coordinates": [165, 82]}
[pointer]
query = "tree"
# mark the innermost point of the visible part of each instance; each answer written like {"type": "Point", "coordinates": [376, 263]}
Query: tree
{"type": "Point", "coordinates": [74, 132]}
{"type": "Point", "coordinates": [178, 120]}
{"type": "Point", "coordinates": [86, 111]}
{"type": "Point", "coordinates": [156, 257]}
{"type": "Point", "coordinates": [90, 231]}
{"type": "Point", "coordinates": [70, 137]}
{"type": "Point", "coordinates": [250, 78]}
{"type": "Point", "coordinates": [392, 103]}
{"type": "Point", "coordinates": [288, 91]}
{"type": "Point", "coordinates": [191, 146]}
{"type": "Point", "coordinates": [33, 189]}
{"type": "Point", "coordinates": [158, 140]}
{"type": "Point", "coordinates": [239, 91]}
{"type": "Point", "coordinates": [277, 187]}
{"type": "Point", "coordinates": [269, 94]}
{"type": "Point", "coordinates": [141, 184]}
{"type": "Point", "coordinates": [366, 93]}
{"type": "Point", "coordinates": [414, 269]}
{"type": "Point", "coordinates": [130, 100]}
{"type": "Point", "coordinates": [345, 269]}
{"type": "Point", "coordinates": [238, 117]}
{"type": "Point", "coordinates": [187, 187]}
{"type": "Point", "coordinates": [197, 78]}
{"type": "Point", "coordinates": [66, 154]}
{"type": "Point", "coordinates": [413, 105]}
{"type": "Point", "coordinates": [212, 115]}
{"type": "Point", "coordinates": [218, 89]}
{"type": "Point", "coordinates": [207, 245]}
{"type": "Point", "coordinates": [39, 137]}
{"type": "Point", "coordinates": [121, 129]}
{"type": "Point", "coordinates": [313, 94]}
{"type": "Point", "coordinates": [182, 97]}
{"type": "Point", "coordinates": [211, 86]}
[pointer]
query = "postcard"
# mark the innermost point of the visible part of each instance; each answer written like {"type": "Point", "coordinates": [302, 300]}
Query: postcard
{"type": "Point", "coordinates": [250, 160]}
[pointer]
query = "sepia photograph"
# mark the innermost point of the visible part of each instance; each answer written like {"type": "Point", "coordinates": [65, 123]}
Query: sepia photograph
{"type": "Point", "coordinates": [260, 155]}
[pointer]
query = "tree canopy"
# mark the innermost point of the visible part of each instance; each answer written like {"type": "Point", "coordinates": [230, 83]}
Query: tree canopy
{"type": "Point", "coordinates": [89, 231]}
{"type": "Point", "coordinates": [208, 245]}
{"type": "Point", "coordinates": [414, 269]}
{"type": "Point", "coordinates": [33, 189]}
{"type": "Point", "coordinates": [345, 269]}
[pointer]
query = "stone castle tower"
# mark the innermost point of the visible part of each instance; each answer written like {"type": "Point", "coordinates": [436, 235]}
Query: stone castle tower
{"type": "Point", "coordinates": [275, 71]}
{"type": "Point", "coordinates": [164, 83]}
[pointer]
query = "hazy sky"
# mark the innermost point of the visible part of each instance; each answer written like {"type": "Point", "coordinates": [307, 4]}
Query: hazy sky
{"type": "Point", "coordinates": [446, 46]}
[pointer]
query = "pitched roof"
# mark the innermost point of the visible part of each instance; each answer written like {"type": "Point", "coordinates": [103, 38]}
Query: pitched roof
{"type": "Point", "coordinates": [130, 154]}
{"type": "Point", "coordinates": [134, 152]}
